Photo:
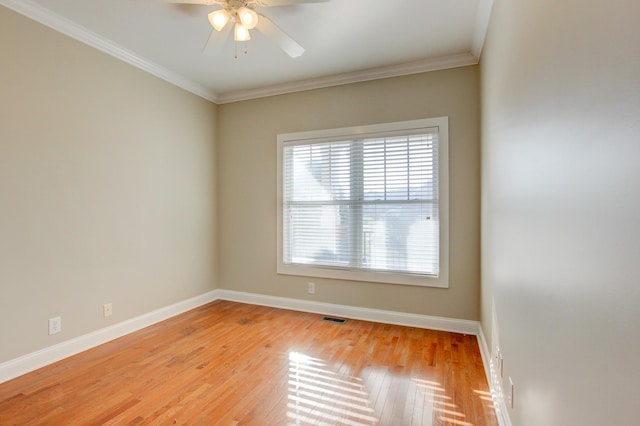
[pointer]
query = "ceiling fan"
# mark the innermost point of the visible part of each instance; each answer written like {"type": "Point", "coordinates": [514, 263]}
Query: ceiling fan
{"type": "Point", "coordinates": [241, 17]}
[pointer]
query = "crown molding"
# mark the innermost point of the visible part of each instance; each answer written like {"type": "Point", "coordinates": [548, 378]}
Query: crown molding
{"type": "Point", "coordinates": [483, 16]}
{"type": "Point", "coordinates": [426, 65]}
{"type": "Point", "coordinates": [34, 11]}
{"type": "Point", "coordinates": [65, 26]}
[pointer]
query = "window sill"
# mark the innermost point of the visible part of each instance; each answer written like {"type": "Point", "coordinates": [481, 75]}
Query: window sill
{"type": "Point", "coordinates": [353, 275]}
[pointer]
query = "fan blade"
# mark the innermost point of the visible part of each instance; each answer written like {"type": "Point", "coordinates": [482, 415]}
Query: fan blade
{"type": "Point", "coordinates": [279, 37]}
{"type": "Point", "coordinates": [269, 3]}
{"type": "Point", "coordinates": [216, 40]}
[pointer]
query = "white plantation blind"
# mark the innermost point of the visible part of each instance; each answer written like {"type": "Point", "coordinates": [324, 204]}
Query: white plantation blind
{"type": "Point", "coordinates": [366, 203]}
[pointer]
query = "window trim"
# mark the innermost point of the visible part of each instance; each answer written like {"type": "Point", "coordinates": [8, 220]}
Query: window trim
{"type": "Point", "coordinates": [442, 280]}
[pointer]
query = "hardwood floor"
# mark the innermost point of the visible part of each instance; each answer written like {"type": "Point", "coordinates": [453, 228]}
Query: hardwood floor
{"type": "Point", "coordinates": [228, 363]}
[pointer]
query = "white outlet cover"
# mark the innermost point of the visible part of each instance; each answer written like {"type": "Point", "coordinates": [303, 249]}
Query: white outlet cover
{"type": "Point", "coordinates": [55, 325]}
{"type": "Point", "coordinates": [107, 309]}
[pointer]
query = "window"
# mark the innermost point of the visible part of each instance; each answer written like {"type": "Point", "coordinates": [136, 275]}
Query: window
{"type": "Point", "coordinates": [365, 203]}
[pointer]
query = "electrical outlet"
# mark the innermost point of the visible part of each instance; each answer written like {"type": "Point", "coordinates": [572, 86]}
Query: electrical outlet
{"type": "Point", "coordinates": [55, 325]}
{"type": "Point", "coordinates": [311, 288]}
{"type": "Point", "coordinates": [107, 310]}
{"type": "Point", "coordinates": [510, 393]}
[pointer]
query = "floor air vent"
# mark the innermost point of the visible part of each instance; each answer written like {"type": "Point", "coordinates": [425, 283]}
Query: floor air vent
{"type": "Point", "coordinates": [332, 319]}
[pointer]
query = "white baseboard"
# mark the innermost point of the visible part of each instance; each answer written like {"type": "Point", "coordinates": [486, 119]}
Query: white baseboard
{"type": "Point", "coordinates": [485, 353]}
{"type": "Point", "coordinates": [30, 362]}
{"type": "Point", "coordinates": [493, 380]}
{"type": "Point", "coordinates": [389, 317]}
{"type": "Point", "coordinates": [353, 312]}
{"type": "Point", "coordinates": [51, 354]}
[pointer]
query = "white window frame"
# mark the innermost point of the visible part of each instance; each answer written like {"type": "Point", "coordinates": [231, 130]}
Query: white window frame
{"type": "Point", "coordinates": [346, 133]}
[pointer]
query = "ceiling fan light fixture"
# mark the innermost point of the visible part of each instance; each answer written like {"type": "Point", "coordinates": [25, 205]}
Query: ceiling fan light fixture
{"type": "Point", "coordinates": [219, 19]}
{"type": "Point", "coordinates": [241, 33]}
{"type": "Point", "coordinates": [248, 17]}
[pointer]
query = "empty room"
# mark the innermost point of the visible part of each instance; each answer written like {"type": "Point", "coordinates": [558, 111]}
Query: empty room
{"type": "Point", "coordinates": [319, 212]}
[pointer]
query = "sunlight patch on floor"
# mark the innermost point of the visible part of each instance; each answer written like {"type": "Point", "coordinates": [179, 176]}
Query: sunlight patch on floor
{"type": "Point", "coordinates": [319, 396]}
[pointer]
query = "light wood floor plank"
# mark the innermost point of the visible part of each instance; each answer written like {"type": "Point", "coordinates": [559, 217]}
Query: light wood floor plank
{"type": "Point", "coordinates": [229, 363]}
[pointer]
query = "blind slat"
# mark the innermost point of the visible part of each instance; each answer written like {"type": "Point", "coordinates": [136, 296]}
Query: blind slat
{"type": "Point", "coordinates": [363, 204]}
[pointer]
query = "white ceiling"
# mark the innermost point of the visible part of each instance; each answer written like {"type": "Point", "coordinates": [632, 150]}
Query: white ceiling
{"type": "Point", "coordinates": [345, 41]}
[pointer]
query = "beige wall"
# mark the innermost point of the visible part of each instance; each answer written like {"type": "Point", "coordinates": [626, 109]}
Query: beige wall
{"type": "Point", "coordinates": [107, 189]}
{"type": "Point", "coordinates": [561, 207]}
{"type": "Point", "coordinates": [247, 197]}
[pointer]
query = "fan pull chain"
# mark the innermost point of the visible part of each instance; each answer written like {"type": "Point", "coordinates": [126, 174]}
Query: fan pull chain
{"type": "Point", "coordinates": [246, 49]}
